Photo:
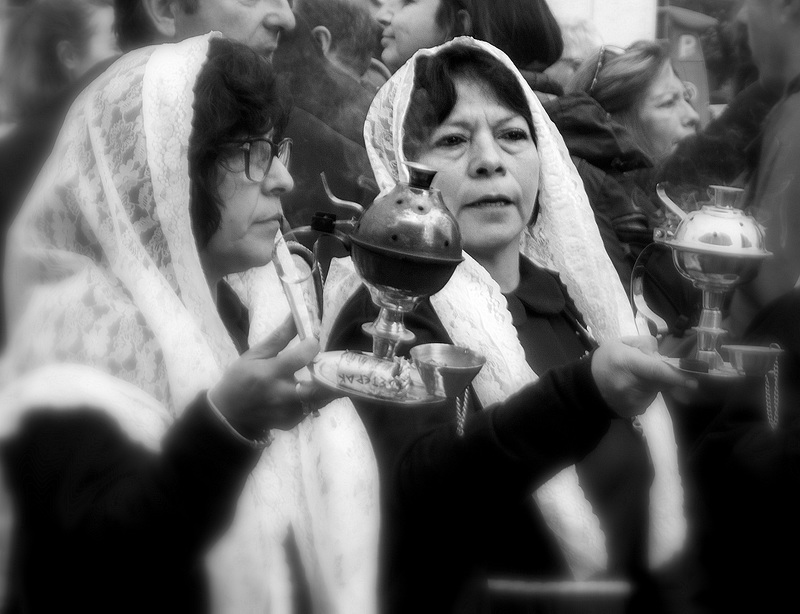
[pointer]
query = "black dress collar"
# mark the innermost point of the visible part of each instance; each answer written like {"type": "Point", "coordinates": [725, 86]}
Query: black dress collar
{"type": "Point", "coordinates": [539, 291]}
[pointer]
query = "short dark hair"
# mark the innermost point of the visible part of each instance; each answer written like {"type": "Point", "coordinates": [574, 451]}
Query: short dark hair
{"type": "Point", "coordinates": [237, 94]}
{"type": "Point", "coordinates": [435, 96]}
{"type": "Point", "coordinates": [526, 30]}
{"type": "Point", "coordinates": [132, 25]}
{"type": "Point", "coordinates": [351, 26]}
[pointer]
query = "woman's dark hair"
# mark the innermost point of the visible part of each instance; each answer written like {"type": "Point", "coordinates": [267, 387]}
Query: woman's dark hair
{"type": "Point", "coordinates": [237, 94]}
{"type": "Point", "coordinates": [526, 30]}
{"type": "Point", "coordinates": [435, 96]}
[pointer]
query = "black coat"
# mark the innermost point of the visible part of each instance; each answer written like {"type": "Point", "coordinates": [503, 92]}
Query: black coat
{"type": "Point", "coordinates": [103, 524]}
{"type": "Point", "coordinates": [458, 509]}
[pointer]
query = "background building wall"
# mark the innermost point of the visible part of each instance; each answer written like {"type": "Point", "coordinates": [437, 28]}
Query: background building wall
{"type": "Point", "coordinates": [620, 22]}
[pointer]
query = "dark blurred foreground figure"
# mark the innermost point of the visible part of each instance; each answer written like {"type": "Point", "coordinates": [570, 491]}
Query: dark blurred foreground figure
{"type": "Point", "coordinates": [773, 191]}
{"type": "Point", "coordinates": [53, 49]}
{"type": "Point", "coordinates": [746, 475]}
{"type": "Point", "coordinates": [552, 479]}
{"type": "Point", "coordinates": [747, 470]}
{"type": "Point", "coordinates": [149, 369]}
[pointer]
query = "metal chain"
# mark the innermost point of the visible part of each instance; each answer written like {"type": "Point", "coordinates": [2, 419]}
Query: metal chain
{"type": "Point", "coordinates": [462, 403]}
{"type": "Point", "coordinates": [771, 395]}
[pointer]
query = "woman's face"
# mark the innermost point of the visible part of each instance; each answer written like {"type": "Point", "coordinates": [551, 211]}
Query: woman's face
{"type": "Point", "coordinates": [408, 25]}
{"type": "Point", "coordinates": [250, 218]}
{"type": "Point", "coordinates": [665, 113]}
{"type": "Point", "coordinates": [488, 169]}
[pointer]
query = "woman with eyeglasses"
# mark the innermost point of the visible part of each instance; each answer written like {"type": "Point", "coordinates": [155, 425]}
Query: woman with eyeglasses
{"type": "Point", "coordinates": [625, 111]}
{"type": "Point", "coordinates": [153, 364]}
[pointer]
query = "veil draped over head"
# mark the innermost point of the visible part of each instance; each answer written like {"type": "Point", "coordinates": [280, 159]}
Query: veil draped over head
{"type": "Point", "coordinates": [565, 239]}
{"type": "Point", "coordinates": [110, 307]}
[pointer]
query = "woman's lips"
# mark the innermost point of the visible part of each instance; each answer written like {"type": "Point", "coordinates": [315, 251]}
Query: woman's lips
{"type": "Point", "coordinates": [491, 202]}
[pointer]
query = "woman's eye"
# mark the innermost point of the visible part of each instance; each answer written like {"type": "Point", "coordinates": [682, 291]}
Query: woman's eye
{"type": "Point", "coordinates": [450, 140]}
{"type": "Point", "coordinates": [671, 101]}
{"type": "Point", "coordinates": [233, 159]}
{"type": "Point", "coordinates": [516, 134]}
{"type": "Point", "coordinates": [259, 154]}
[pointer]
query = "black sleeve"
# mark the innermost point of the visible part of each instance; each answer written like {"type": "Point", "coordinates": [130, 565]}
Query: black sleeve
{"type": "Point", "coordinates": [513, 446]}
{"type": "Point", "coordinates": [506, 449]}
{"type": "Point", "coordinates": [77, 477]}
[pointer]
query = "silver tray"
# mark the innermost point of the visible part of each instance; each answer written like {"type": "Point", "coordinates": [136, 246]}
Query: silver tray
{"type": "Point", "coordinates": [718, 375]}
{"type": "Point", "coordinates": [323, 370]}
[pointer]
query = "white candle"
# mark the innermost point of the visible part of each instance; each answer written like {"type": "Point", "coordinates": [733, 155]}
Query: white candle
{"type": "Point", "coordinates": [294, 280]}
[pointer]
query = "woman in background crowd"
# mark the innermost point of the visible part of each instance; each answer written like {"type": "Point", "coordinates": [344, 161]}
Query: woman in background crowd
{"type": "Point", "coordinates": [624, 112]}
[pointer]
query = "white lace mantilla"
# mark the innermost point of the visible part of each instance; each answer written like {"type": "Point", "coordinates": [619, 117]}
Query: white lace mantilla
{"type": "Point", "coordinates": [104, 273]}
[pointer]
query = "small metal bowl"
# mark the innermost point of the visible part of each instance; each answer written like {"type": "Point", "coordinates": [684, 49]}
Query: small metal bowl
{"type": "Point", "coordinates": [445, 369]}
{"type": "Point", "coordinates": [752, 359]}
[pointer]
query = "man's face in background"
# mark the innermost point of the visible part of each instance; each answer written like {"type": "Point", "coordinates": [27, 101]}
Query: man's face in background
{"type": "Point", "coordinates": [256, 23]}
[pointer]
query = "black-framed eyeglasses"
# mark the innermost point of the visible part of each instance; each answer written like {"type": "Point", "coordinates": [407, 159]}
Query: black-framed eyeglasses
{"type": "Point", "coordinates": [258, 155]}
{"type": "Point", "coordinates": [601, 60]}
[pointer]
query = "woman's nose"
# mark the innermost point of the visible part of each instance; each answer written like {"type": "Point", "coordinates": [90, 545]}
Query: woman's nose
{"type": "Point", "coordinates": [486, 157]}
{"type": "Point", "coordinates": [690, 115]}
{"type": "Point", "coordinates": [278, 180]}
{"type": "Point", "coordinates": [385, 13]}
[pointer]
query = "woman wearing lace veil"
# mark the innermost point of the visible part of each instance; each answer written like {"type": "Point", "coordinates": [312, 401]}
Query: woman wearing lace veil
{"type": "Point", "coordinates": [457, 494]}
{"type": "Point", "coordinates": [135, 471]}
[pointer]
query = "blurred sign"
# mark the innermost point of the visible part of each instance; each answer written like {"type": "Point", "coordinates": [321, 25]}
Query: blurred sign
{"type": "Point", "coordinates": [684, 28]}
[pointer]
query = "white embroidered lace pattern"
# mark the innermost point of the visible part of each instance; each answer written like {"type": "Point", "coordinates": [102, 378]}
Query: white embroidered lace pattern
{"type": "Point", "coordinates": [107, 291]}
{"type": "Point", "coordinates": [564, 239]}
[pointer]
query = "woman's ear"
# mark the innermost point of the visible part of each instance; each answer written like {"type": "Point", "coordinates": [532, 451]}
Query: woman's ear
{"type": "Point", "coordinates": [162, 16]}
{"type": "Point", "coordinates": [463, 23]}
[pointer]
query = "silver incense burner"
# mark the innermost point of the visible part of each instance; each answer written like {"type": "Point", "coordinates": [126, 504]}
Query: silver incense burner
{"type": "Point", "coordinates": [716, 248]}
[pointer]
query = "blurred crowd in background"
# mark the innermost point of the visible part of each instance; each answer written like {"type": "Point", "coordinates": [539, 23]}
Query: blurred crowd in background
{"type": "Point", "coordinates": [593, 137]}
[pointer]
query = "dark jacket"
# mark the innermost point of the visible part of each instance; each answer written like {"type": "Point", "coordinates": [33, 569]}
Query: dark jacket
{"type": "Point", "coordinates": [456, 509]}
{"type": "Point", "coordinates": [103, 524]}
{"type": "Point", "coordinates": [327, 127]}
